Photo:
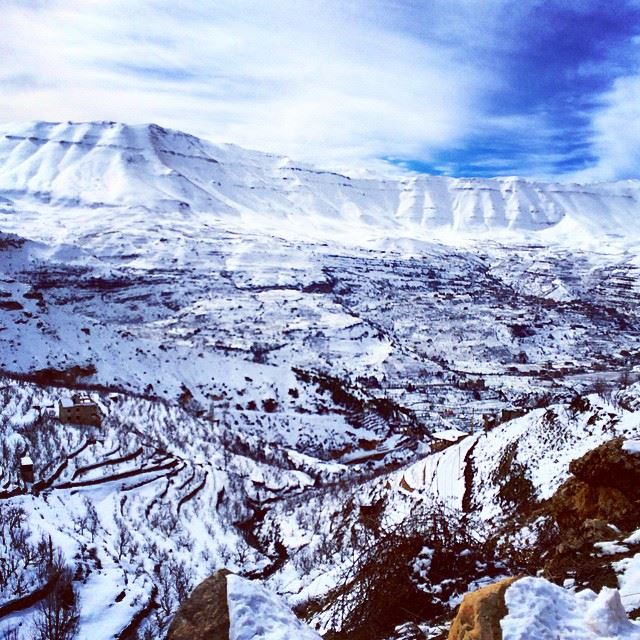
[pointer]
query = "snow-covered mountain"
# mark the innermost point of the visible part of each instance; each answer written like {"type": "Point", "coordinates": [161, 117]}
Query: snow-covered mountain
{"type": "Point", "coordinates": [120, 170]}
{"type": "Point", "coordinates": [300, 382]}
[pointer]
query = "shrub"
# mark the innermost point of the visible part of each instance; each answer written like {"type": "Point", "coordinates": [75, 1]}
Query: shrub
{"type": "Point", "coordinates": [408, 573]}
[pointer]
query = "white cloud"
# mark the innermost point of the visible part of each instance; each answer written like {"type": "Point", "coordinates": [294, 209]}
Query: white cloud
{"type": "Point", "coordinates": [616, 137]}
{"type": "Point", "coordinates": [326, 81]}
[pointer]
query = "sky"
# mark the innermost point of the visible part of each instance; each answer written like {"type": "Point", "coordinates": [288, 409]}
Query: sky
{"type": "Point", "coordinates": [540, 88]}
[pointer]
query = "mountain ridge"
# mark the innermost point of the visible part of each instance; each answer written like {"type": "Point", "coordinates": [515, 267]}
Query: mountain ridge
{"type": "Point", "coordinates": [108, 165]}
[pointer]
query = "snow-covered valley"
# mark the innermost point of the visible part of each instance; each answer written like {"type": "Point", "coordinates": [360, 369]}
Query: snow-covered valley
{"type": "Point", "coordinates": [297, 368]}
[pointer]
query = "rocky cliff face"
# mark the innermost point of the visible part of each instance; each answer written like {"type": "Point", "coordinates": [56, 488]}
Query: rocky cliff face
{"type": "Point", "coordinates": [605, 486]}
{"type": "Point", "coordinates": [600, 503]}
{"type": "Point", "coordinates": [613, 470]}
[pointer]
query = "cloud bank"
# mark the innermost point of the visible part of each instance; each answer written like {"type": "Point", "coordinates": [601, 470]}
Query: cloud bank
{"type": "Point", "coordinates": [456, 87]}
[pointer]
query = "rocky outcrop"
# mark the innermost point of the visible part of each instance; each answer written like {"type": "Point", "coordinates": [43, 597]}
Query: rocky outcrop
{"type": "Point", "coordinates": [480, 613]}
{"type": "Point", "coordinates": [610, 464]}
{"type": "Point", "coordinates": [605, 487]}
{"type": "Point", "coordinates": [600, 502]}
{"type": "Point", "coordinates": [204, 615]}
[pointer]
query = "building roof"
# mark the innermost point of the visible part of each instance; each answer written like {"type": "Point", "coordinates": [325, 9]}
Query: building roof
{"type": "Point", "coordinates": [81, 399]}
{"type": "Point", "coordinates": [451, 435]}
{"type": "Point", "coordinates": [26, 461]}
{"type": "Point", "coordinates": [77, 401]}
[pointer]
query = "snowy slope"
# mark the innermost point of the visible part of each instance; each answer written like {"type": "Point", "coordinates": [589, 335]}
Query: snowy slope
{"type": "Point", "coordinates": [123, 170]}
{"type": "Point", "coordinates": [441, 474]}
{"type": "Point", "coordinates": [542, 444]}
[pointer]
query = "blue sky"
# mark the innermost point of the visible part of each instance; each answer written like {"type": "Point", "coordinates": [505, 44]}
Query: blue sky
{"type": "Point", "coordinates": [457, 87]}
{"type": "Point", "coordinates": [558, 60]}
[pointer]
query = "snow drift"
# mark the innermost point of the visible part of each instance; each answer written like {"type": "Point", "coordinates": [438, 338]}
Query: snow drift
{"type": "Point", "coordinates": [540, 609]}
{"type": "Point", "coordinates": [257, 614]}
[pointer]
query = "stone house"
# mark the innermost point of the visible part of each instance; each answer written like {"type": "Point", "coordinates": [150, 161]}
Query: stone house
{"type": "Point", "coordinates": [79, 409]}
{"type": "Point", "coordinates": [26, 468]}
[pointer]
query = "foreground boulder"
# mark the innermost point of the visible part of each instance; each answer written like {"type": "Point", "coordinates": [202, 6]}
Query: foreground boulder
{"type": "Point", "coordinates": [480, 613]}
{"type": "Point", "coordinates": [228, 607]}
{"type": "Point", "coordinates": [204, 615]}
{"type": "Point", "coordinates": [537, 608]}
{"type": "Point", "coordinates": [534, 608]}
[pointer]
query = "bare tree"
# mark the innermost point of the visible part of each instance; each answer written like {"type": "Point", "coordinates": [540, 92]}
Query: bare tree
{"type": "Point", "coordinates": [11, 633]}
{"type": "Point", "coordinates": [174, 582]}
{"type": "Point", "coordinates": [404, 572]}
{"type": "Point", "coordinates": [57, 614]}
{"type": "Point", "coordinates": [124, 541]}
{"type": "Point", "coordinates": [93, 520]}
{"type": "Point", "coordinates": [625, 378]}
{"type": "Point", "coordinates": [602, 388]}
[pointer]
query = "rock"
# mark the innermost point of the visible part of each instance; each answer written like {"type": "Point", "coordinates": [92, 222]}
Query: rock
{"type": "Point", "coordinates": [577, 502]}
{"type": "Point", "coordinates": [609, 465]}
{"type": "Point", "coordinates": [227, 605]}
{"type": "Point", "coordinates": [480, 613]}
{"type": "Point", "coordinates": [605, 487]}
{"type": "Point", "coordinates": [599, 502]}
{"type": "Point", "coordinates": [204, 615]}
{"type": "Point", "coordinates": [597, 530]}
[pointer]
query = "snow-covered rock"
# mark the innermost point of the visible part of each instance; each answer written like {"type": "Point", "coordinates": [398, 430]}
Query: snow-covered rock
{"type": "Point", "coordinates": [539, 609]}
{"type": "Point", "coordinates": [228, 607]}
{"type": "Point", "coordinates": [257, 614]}
{"type": "Point", "coordinates": [536, 609]}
